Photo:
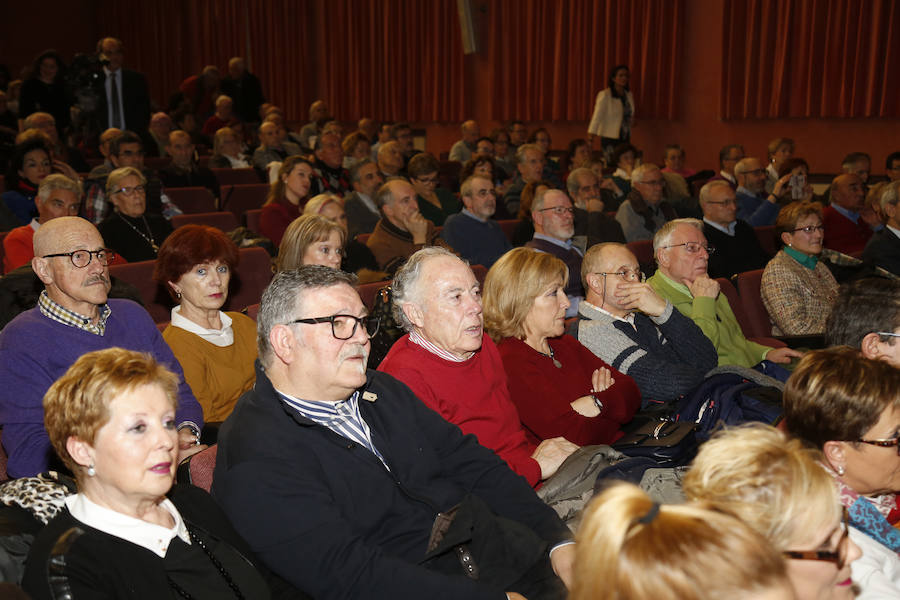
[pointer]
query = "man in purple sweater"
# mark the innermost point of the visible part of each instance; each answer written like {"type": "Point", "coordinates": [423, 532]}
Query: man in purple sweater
{"type": "Point", "coordinates": [73, 316]}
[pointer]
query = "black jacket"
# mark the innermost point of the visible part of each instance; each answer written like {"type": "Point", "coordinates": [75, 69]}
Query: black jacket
{"type": "Point", "coordinates": [883, 250]}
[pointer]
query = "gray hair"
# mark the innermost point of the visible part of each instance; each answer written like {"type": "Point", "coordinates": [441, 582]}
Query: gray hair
{"type": "Point", "coordinates": [664, 235]}
{"type": "Point", "coordinates": [466, 188]}
{"type": "Point", "coordinates": [890, 194]}
{"type": "Point", "coordinates": [574, 180]}
{"type": "Point", "coordinates": [55, 182]}
{"type": "Point", "coordinates": [281, 300]}
{"type": "Point", "coordinates": [637, 175]}
{"type": "Point", "coordinates": [538, 203]}
{"type": "Point", "coordinates": [112, 181]}
{"type": "Point", "coordinates": [405, 287]}
{"type": "Point", "coordinates": [520, 153]}
{"type": "Point", "coordinates": [743, 165]}
{"type": "Point", "coordinates": [355, 175]}
{"type": "Point", "coordinates": [707, 189]}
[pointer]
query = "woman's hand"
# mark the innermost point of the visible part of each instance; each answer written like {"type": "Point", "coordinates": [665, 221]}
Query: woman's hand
{"type": "Point", "coordinates": [778, 189]}
{"type": "Point", "coordinates": [586, 406]}
{"type": "Point", "coordinates": [601, 380]}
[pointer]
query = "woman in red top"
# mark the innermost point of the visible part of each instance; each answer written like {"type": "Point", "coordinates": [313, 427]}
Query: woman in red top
{"type": "Point", "coordinates": [286, 198]}
{"type": "Point", "coordinates": [560, 387]}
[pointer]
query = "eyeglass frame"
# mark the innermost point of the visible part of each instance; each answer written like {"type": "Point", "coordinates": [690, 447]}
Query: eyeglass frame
{"type": "Point", "coordinates": [622, 274]}
{"type": "Point", "coordinates": [807, 229]}
{"type": "Point", "coordinates": [883, 443]}
{"type": "Point", "coordinates": [356, 322]}
{"type": "Point", "coordinates": [833, 556]}
{"type": "Point", "coordinates": [111, 255]}
{"type": "Point", "coordinates": [556, 209]}
{"type": "Point", "coordinates": [687, 245]}
{"type": "Point", "coordinates": [141, 189]}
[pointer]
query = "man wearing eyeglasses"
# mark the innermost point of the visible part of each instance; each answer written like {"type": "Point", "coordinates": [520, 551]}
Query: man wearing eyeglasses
{"type": "Point", "coordinates": [554, 226]}
{"type": "Point", "coordinates": [645, 210]}
{"type": "Point", "coordinates": [627, 324]}
{"type": "Point", "coordinates": [754, 206]}
{"type": "Point", "coordinates": [682, 254]}
{"type": "Point", "coordinates": [736, 244]}
{"type": "Point", "coordinates": [344, 483]}
{"type": "Point", "coordinates": [73, 316]}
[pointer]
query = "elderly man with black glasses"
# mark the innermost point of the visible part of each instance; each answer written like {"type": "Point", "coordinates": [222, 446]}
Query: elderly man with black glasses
{"type": "Point", "coordinates": [73, 316]}
{"type": "Point", "coordinates": [682, 254]}
{"type": "Point", "coordinates": [346, 485]}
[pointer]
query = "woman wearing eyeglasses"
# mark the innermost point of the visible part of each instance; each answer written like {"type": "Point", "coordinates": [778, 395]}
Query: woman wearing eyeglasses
{"type": "Point", "coordinates": [778, 487]}
{"type": "Point", "coordinates": [560, 387]}
{"type": "Point", "coordinates": [797, 289]}
{"type": "Point", "coordinates": [848, 406]}
{"type": "Point", "coordinates": [129, 231]}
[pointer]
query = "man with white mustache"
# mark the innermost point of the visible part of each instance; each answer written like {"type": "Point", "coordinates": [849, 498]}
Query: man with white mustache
{"type": "Point", "coordinates": [73, 316]}
{"type": "Point", "coordinates": [346, 485]}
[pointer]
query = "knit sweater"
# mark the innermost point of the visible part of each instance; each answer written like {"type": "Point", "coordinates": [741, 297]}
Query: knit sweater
{"type": "Point", "coordinates": [472, 395]}
{"type": "Point", "coordinates": [842, 234]}
{"type": "Point", "coordinates": [392, 246]}
{"type": "Point", "coordinates": [667, 356]}
{"type": "Point", "coordinates": [219, 375]}
{"type": "Point", "coordinates": [543, 393]}
{"type": "Point", "coordinates": [797, 299]}
{"type": "Point", "coordinates": [479, 242]}
{"type": "Point", "coordinates": [715, 318]}
{"type": "Point", "coordinates": [35, 351]}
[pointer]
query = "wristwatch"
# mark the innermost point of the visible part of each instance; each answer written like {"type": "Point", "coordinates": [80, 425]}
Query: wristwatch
{"type": "Point", "coordinates": [597, 402]}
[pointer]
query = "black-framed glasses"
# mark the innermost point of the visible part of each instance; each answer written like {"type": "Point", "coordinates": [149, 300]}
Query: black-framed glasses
{"type": "Point", "coordinates": [729, 202]}
{"type": "Point", "coordinates": [883, 443]}
{"type": "Point", "coordinates": [693, 247]}
{"type": "Point", "coordinates": [630, 275]}
{"type": "Point", "coordinates": [559, 210]}
{"type": "Point", "coordinates": [82, 258]}
{"type": "Point", "coordinates": [809, 229]}
{"type": "Point", "coordinates": [343, 327]}
{"type": "Point", "coordinates": [838, 556]}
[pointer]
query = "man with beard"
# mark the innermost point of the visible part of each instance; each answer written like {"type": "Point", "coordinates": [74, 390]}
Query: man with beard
{"type": "Point", "coordinates": [753, 205]}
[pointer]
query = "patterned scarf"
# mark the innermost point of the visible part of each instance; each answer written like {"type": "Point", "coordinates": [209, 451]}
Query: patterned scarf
{"type": "Point", "coordinates": [873, 515]}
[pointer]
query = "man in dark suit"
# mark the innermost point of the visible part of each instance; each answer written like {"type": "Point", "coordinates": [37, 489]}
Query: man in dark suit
{"type": "Point", "coordinates": [362, 214]}
{"type": "Point", "coordinates": [883, 248]}
{"type": "Point", "coordinates": [124, 99]}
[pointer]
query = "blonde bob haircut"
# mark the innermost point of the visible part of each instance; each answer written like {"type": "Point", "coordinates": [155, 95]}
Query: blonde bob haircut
{"type": "Point", "coordinates": [773, 483]}
{"type": "Point", "coordinates": [629, 548]}
{"type": "Point", "coordinates": [116, 177]}
{"type": "Point", "coordinates": [77, 404]}
{"type": "Point", "coordinates": [512, 285]}
{"type": "Point", "coordinates": [303, 232]}
{"type": "Point", "coordinates": [320, 201]}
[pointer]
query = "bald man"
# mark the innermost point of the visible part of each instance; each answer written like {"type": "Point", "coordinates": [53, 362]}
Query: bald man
{"type": "Point", "coordinates": [462, 150]}
{"type": "Point", "coordinates": [73, 316]}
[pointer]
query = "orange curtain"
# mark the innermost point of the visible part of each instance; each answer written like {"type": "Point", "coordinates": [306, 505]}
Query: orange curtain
{"type": "Point", "coordinates": [810, 58]}
{"type": "Point", "coordinates": [550, 58]}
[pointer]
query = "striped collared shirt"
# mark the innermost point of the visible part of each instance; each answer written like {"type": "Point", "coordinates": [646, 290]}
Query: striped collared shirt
{"type": "Point", "coordinates": [420, 341]}
{"type": "Point", "coordinates": [343, 418]}
{"type": "Point", "coordinates": [55, 311]}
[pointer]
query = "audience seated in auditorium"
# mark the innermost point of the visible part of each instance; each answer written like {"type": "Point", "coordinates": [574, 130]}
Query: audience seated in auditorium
{"type": "Point", "coordinates": [578, 155]}
{"type": "Point", "coordinates": [223, 117]}
{"type": "Point", "coordinates": [160, 128]}
{"type": "Point", "coordinates": [201, 91]}
{"type": "Point", "coordinates": [369, 127]}
{"type": "Point", "coordinates": [355, 147]}
{"type": "Point", "coordinates": [402, 229]}
{"type": "Point", "coordinates": [311, 239]}
{"type": "Point", "coordinates": [30, 165]}
{"type": "Point", "coordinates": [504, 153]}
{"type": "Point", "coordinates": [777, 486]}
{"type": "Point", "coordinates": [245, 89]}
{"type": "Point", "coordinates": [435, 203]}
{"type": "Point", "coordinates": [866, 316]}
{"type": "Point", "coordinates": [362, 213]}
{"type": "Point", "coordinates": [797, 289]}
{"type": "Point", "coordinates": [589, 197]}
{"type": "Point", "coordinates": [541, 138]}
{"type": "Point", "coordinates": [754, 206]}
{"type": "Point", "coordinates": [644, 210]}
{"type": "Point", "coordinates": [453, 366]}
{"type": "Point", "coordinates": [846, 405]}
{"type": "Point", "coordinates": [130, 93]}
{"type": "Point", "coordinates": [45, 90]}
{"type": "Point", "coordinates": [402, 134]}
{"type": "Point", "coordinates": [110, 419]}
{"type": "Point", "coordinates": [58, 196]}
{"type": "Point", "coordinates": [883, 249]}
{"type": "Point", "coordinates": [66, 159]}
{"type": "Point", "coordinates": [318, 115]}
{"type": "Point", "coordinates": [524, 231]}
{"type": "Point", "coordinates": [530, 166]}
{"type": "Point", "coordinates": [130, 230]}
{"type": "Point", "coordinates": [793, 167]}
{"type": "Point", "coordinates": [554, 226]}
{"type": "Point", "coordinates": [624, 158]}
{"type": "Point", "coordinates": [278, 459]}
{"type": "Point", "coordinates": [709, 555]}
{"type": "Point", "coordinates": [227, 151]}
{"type": "Point", "coordinates": [484, 165]}
{"type": "Point", "coordinates": [271, 146]}
{"type": "Point", "coordinates": [673, 159]}
{"type": "Point", "coordinates": [184, 171]}
{"type": "Point", "coordinates": [472, 233]}
{"type": "Point", "coordinates": [390, 160]}
{"type": "Point", "coordinates": [779, 150]}
{"type": "Point", "coordinates": [681, 253]}
{"type": "Point", "coordinates": [559, 387]}
{"type": "Point", "coordinates": [73, 316]}
{"type": "Point", "coordinates": [462, 150]}
{"type": "Point", "coordinates": [215, 349]}
{"type": "Point", "coordinates": [287, 195]}
{"type": "Point", "coordinates": [736, 244]}
{"type": "Point", "coordinates": [729, 156]}
{"type": "Point", "coordinates": [627, 324]}
{"type": "Point", "coordinates": [329, 174]}
{"type": "Point", "coordinates": [106, 138]}
{"type": "Point", "coordinates": [848, 222]}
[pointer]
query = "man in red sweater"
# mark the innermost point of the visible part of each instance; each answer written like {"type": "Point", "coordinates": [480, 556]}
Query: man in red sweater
{"type": "Point", "coordinates": [848, 221]}
{"type": "Point", "coordinates": [454, 367]}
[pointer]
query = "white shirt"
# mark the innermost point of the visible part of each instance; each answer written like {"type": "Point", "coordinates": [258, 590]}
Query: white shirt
{"type": "Point", "coordinates": [108, 87]}
{"type": "Point", "coordinates": [154, 538]}
{"type": "Point", "coordinates": [219, 337]}
{"type": "Point", "coordinates": [629, 318]}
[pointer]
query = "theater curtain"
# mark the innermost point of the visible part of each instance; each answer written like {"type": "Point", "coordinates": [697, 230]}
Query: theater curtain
{"type": "Point", "coordinates": [550, 58]}
{"type": "Point", "coordinates": [810, 58]}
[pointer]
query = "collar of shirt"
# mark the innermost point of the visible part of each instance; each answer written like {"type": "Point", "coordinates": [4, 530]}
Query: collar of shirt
{"type": "Point", "coordinates": [804, 259]}
{"type": "Point", "coordinates": [728, 177]}
{"type": "Point", "coordinates": [620, 173]}
{"type": "Point", "coordinates": [741, 190]}
{"type": "Point", "coordinates": [729, 230]}
{"type": "Point", "coordinates": [367, 200]}
{"type": "Point", "coordinates": [154, 538]}
{"type": "Point", "coordinates": [893, 230]}
{"type": "Point", "coordinates": [417, 339]}
{"type": "Point", "coordinates": [34, 224]}
{"type": "Point", "coordinates": [469, 213]}
{"type": "Point", "coordinates": [628, 318]}
{"type": "Point", "coordinates": [568, 245]}
{"type": "Point", "coordinates": [58, 313]}
{"type": "Point", "coordinates": [853, 216]}
{"type": "Point", "coordinates": [219, 337]}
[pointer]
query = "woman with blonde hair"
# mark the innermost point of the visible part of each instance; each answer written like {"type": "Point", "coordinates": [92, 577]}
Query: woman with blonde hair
{"type": "Point", "coordinates": [560, 387]}
{"type": "Point", "coordinates": [357, 258]}
{"type": "Point", "coordinates": [777, 486]}
{"type": "Point", "coordinates": [311, 240]}
{"type": "Point", "coordinates": [631, 548]}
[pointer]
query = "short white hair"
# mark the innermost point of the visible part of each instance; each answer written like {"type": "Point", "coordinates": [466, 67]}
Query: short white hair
{"type": "Point", "coordinates": [890, 194]}
{"type": "Point", "coordinates": [405, 287]}
{"type": "Point", "coordinates": [664, 235]}
{"type": "Point", "coordinates": [707, 190]}
{"type": "Point", "coordinates": [640, 171]}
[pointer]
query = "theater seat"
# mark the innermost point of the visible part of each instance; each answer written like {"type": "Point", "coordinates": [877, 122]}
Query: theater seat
{"type": "Point", "coordinates": [251, 219]}
{"type": "Point", "coordinates": [198, 469]}
{"type": "Point", "coordinates": [362, 238]}
{"type": "Point", "coordinates": [766, 236]}
{"type": "Point", "coordinates": [192, 200]}
{"type": "Point", "coordinates": [223, 221]}
{"type": "Point", "coordinates": [252, 311]}
{"type": "Point", "coordinates": [140, 275]}
{"type": "Point", "coordinates": [367, 292]}
{"type": "Point", "coordinates": [643, 252]}
{"type": "Point", "coordinates": [235, 176]}
{"type": "Point", "coordinates": [240, 198]}
{"type": "Point", "coordinates": [737, 307]}
{"type": "Point", "coordinates": [254, 272]}
{"type": "Point", "coordinates": [748, 286]}
{"type": "Point", "coordinates": [509, 227]}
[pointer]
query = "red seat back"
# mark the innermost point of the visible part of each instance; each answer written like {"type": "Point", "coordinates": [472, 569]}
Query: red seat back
{"type": "Point", "coordinates": [367, 292]}
{"type": "Point", "coordinates": [201, 467]}
{"type": "Point", "coordinates": [192, 200]}
{"type": "Point", "coordinates": [509, 227]}
{"type": "Point", "coordinates": [254, 272]}
{"type": "Point", "coordinates": [737, 307]}
{"type": "Point", "coordinates": [251, 219]}
{"type": "Point", "coordinates": [748, 286]}
{"type": "Point", "coordinates": [140, 274]}
{"type": "Point", "coordinates": [766, 236]}
{"type": "Point", "coordinates": [252, 311]}
{"type": "Point", "coordinates": [240, 198]}
{"type": "Point", "coordinates": [224, 221]}
{"type": "Point", "coordinates": [234, 176]}
{"type": "Point", "coordinates": [643, 252]}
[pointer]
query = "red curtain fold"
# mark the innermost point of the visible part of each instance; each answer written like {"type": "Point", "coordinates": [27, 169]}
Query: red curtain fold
{"type": "Point", "coordinates": [810, 58]}
{"type": "Point", "coordinates": [549, 58]}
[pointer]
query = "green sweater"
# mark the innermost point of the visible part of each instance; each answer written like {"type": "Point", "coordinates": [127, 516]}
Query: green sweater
{"type": "Point", "coordinates": [715, 319]}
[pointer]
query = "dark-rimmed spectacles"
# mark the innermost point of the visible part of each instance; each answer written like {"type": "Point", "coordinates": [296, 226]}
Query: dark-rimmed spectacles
{"type": "Point", "coordinates": [810, 229]}
{"type": "Point", "coordinates": [838, 556]}
{"type": "Point", "coordinates": [694, 247]}
{"type": "Point", "coordinates": [559, 210]}
{"type": "Point", "coordinates": [82, 258]}
{"type": "Point", "coordinates": [343, 327]}
{"type": "Point", "coordinates": [883, 443]}
{"type": "Point", "coordinates": [630, 275]}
